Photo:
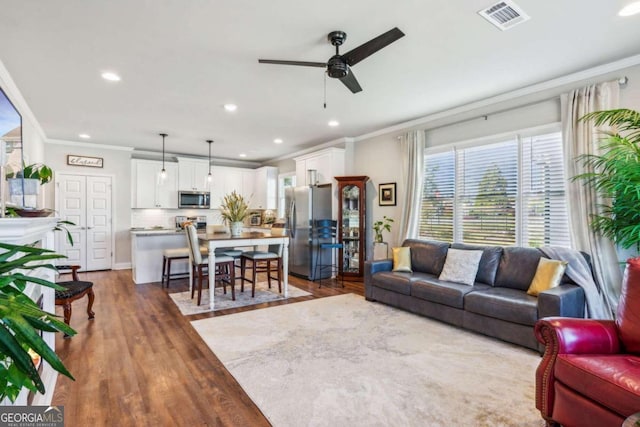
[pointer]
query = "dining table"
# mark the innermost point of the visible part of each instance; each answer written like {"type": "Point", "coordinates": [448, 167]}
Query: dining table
{"type": "Point", "coordinates": [245, 239]}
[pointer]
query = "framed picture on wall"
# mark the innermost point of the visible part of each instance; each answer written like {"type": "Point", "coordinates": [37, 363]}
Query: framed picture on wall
{"type": "Point", "coordinates": [387, 194]}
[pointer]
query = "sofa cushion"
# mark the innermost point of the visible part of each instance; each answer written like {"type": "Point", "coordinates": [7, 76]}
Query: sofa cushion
{"type": "Point", "coordinates": [427, 256]}
{"type": "Point", "coordinates": [611, 380]}
{"type": "Point", "coordinates": [628, 319]}
{"type": "Point", "coordinates": [441, 292]}
{"type": "Point", "coordinates": [402, 259]}
{"type": "Point", "coordinates": [393, 281]}
{"type": "Point", "coordinates": [548, 275]}
{"type": "Point", "coordinates": [517, 267]}
{"type": "Point", "coordinates": [461, 266]}
{"type": "Point", "coordinates": [506, 304]}
{"type": "Point", "coordinates": [488, 263]}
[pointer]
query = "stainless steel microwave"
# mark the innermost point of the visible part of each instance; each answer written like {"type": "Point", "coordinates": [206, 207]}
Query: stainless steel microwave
{"type": "Point", "coordinates": [194, 199]}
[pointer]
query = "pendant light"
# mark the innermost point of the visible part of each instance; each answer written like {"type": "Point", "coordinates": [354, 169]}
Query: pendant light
{"type": "Point", "coordinates": [163, 172]}
{"type": "Point", "coordinates": [209, 177]}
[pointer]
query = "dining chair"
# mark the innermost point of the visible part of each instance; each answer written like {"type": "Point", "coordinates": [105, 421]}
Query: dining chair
{"type": "Point", "coordinates": [73, 290]}
{"type": "Point", "coordinates": [225, 270]}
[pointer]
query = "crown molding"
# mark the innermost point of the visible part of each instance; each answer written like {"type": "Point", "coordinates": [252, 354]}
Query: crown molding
{"type": "Point", "coordinates": [90, 145]}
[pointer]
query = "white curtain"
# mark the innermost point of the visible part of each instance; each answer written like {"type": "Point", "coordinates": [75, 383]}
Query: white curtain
{"type": "Point", "coordinates": [582, 138]}
{"type": "Point", "coordinates": [412, 146]}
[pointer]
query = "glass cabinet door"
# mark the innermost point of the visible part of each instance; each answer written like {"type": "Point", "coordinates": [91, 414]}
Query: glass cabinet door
{"type": "Point", "coordinates": [351, 193]}
{"type": "Point", "coordinates": [350, 228]}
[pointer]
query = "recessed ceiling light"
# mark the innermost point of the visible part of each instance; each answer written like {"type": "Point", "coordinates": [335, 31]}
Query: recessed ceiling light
{"type": "Point", "coordinates": [243, 155]}
{"type": "Point", "coordinates": [84, 136]}
{"type": "Point", "coordinates": [630, 9]}
{"type": "Point", "coordinates": [112, 77]}
{"type": "Point", "coordinates": [277, 141]}
{"type": "Point", "coordinates": [334, 123]}
{"type": "Point", "coordinates": [230, 107]}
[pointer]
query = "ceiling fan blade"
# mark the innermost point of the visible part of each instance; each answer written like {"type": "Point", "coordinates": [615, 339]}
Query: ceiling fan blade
{"type": "Point", "coordinates": [302, 63]}
{"type": "Point", "coordinates": [350, 82]}
{"type": "Point", "coordinates": [372, 46]}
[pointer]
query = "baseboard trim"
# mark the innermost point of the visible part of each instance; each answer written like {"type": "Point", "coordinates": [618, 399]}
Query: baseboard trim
{"type": "Point", "coordinates": [122, 266]}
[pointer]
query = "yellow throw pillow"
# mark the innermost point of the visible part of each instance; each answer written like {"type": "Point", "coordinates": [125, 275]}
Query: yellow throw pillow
{"type": "Point", "coordinates": [548, 275]}
{"type": "Point", "coordinates": [402, 259]}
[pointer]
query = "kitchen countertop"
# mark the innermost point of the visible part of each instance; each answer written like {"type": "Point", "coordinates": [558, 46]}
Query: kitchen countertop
{"type": "Point", "coordinates": [155, 231]}
{"type": "Point", "coordinates": [152, 231]}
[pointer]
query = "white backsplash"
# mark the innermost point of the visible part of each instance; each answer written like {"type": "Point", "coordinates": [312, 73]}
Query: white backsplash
{"type": "Point", "coordinates": [166, 217]}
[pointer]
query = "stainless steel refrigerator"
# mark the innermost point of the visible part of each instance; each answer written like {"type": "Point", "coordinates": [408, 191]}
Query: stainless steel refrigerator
{"type": "Point", "coordinates": [303, 205]}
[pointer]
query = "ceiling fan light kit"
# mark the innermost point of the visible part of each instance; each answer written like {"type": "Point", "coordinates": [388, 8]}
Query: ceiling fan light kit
{"type": "Point", "coordinates": [339, 66]}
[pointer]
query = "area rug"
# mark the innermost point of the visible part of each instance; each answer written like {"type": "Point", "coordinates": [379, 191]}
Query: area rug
{"type": "Point", "coordinates": [223, 301]}
{"type": "Point", "coordinates": [344, 361]}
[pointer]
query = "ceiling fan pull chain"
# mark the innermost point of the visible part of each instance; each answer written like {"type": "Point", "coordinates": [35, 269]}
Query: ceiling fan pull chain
{"type": "Point", "coordinates": [325, 90]}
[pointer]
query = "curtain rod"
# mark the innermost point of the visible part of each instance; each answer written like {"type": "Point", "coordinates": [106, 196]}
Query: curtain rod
{"type": "Point", "coordinates": [622, 82]}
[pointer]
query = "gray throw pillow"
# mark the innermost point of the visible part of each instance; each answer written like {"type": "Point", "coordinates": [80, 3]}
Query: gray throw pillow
{"type": "Point", "coordinates": [461, 266]}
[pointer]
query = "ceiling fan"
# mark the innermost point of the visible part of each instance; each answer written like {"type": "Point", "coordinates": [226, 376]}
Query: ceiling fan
{"type": "Point", "coordinates": [339, 66]}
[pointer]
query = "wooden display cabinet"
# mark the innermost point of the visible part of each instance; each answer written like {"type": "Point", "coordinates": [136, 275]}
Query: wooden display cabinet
{"type": "Point", "coordinates": [351, 225]}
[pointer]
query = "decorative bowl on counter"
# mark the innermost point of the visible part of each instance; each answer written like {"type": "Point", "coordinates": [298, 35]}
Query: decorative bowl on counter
{"type": "Point", "coordinates": [34, 213]}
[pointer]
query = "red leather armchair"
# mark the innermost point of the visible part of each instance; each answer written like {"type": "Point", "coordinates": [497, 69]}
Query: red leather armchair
{"type": "Point", "coordinates": [590, 371]}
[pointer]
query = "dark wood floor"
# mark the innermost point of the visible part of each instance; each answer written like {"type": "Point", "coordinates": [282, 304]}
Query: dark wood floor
{"type": "Point", "coordinates": [141, 363]}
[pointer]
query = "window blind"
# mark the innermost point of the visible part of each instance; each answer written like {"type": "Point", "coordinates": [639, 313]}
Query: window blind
{"type": "Point", "coordinates": [488, 182]}
{"type": "Point", "coordinates": [509, 192]}
{"type": "Point", "coordinates": [438, 192]}
{"type": "Point", "coordinates": [545, 217]}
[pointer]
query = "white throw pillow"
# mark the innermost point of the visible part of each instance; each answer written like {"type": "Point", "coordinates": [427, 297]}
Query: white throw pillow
{"type": "Point", "coordinates": [461, 266]}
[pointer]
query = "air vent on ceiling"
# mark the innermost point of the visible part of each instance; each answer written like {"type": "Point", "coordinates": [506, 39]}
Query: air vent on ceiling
{"type": "Point", "coordinates": [505, 14]}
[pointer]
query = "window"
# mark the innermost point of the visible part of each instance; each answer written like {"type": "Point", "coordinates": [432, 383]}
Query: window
{"type": "Point", "coordinates": [284, 180]}
{"type": "Point", "coordinates": [507, 192]}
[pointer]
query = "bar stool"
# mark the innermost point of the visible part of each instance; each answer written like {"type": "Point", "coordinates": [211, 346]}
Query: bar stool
{"type": "Point", "coordinates": [169, 255]}
{"type": "Point", "coordinates": [261, 262]}
{"type": "Point", "coordinates": [324, 233]}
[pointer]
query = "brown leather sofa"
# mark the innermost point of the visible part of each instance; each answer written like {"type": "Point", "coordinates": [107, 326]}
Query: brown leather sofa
{"type": "Point", "coordinates": [589, 375]}
{"type": "Point", "coordinates": [496, 305]}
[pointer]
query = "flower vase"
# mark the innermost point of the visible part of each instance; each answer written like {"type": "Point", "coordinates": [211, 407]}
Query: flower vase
{"type": "Point", "coordinates": [236, 228]}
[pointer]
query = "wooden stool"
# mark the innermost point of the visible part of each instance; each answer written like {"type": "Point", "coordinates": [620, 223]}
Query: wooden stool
{"type": "Point", "coordinates": [169, 255]}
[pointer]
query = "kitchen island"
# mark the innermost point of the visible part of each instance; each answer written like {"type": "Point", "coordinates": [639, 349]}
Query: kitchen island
{"type": "Point", "coordinates": [147, 245]}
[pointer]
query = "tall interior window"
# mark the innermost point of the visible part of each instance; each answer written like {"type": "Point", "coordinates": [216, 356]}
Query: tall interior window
{"type": "Point", "coordinates": [506, 192]}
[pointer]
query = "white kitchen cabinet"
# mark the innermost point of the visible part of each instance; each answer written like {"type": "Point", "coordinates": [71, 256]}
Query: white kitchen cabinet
{"type": "Point", "coordinates": [228, 179]}
{"type": "Point", "coordinates": [265, 193]}
{"type": "Point", "coordinates": [192, 174]}
{"type": "Point", "coordinates": [327, 163]}
{"type": "Point", "coordinates": [248, 185]}
{"type": "Point", "coordinates": [149, 189]}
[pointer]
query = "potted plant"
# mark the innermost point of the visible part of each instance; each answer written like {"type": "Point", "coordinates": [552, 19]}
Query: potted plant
{"type": "Point", "coordinates": [380, 248]}
{"type": "Point", "coordinates": [380, 226]}
{"type": "Point", "coordinates": [234, 210]}
{"type": "Point", "coordinates": [22, 321]}
{"type": "Point", "coordinates": [615, 176]}
{"type": "Point", "coordinates": [27, 181]}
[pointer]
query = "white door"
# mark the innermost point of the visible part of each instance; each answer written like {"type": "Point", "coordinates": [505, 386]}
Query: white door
{"type": "Point", "coordinates": [85, 201]}
{"type": "Point", "coordinates": [98, 221]}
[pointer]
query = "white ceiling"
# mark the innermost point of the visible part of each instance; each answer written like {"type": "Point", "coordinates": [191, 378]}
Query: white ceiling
{"type": "Point", "coordinates": [181, 60]}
